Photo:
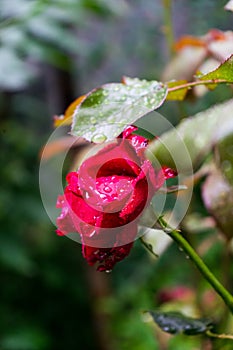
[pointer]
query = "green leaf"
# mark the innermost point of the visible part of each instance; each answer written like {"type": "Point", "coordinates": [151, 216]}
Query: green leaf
{"type": "Point", "coordinates": [186, 146]}
{"type": "Point", "coordinates": [223, 73]}
{"type": "Point", "coordinates": [177, 95]}
{"type": "Point", "coordinates": [175, 323]}
{"type": "Point", "coordinates": [106, 111]}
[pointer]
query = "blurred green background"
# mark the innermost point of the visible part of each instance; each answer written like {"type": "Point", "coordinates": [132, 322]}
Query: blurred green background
{"type": "Point", "coordinates": [52, 51]}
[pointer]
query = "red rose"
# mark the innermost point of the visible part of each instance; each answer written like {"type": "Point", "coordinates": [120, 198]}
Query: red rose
{"type": "Point", "coordinates": [104, 199]}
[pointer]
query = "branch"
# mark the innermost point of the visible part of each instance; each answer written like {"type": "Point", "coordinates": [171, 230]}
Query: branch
{"type": "Point", "coordinates": [219, 336]}
{"type": "Point", "coordinates": [189, 85]}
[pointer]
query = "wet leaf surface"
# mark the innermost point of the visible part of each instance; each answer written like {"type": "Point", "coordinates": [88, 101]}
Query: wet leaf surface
{"type": "Point", "coordinates": [175, 322]}
{"type": "Point", "coordinates": [106, 111]}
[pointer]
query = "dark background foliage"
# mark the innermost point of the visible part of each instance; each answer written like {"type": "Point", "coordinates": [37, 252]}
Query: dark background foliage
{"type": "Point", "coordinates": [50, 53]}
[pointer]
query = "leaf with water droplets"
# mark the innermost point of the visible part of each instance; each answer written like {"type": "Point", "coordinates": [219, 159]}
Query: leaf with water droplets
{"type": "Point", "coordinates": [187, 146]}
{"type": "Point", "coordinates": [107, 110]}
{"type": "Point", "coordinates": [98, 138]}
{"type": "Point", "coordinates": [175, 323]}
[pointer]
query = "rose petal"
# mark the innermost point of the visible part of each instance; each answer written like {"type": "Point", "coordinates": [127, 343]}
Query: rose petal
{"type": "Point", "coordinates": [106, 257]}
{"type": "Point", "coordinates": [104, 199]}
{"type": "Point", "coordinates": [64, 221]}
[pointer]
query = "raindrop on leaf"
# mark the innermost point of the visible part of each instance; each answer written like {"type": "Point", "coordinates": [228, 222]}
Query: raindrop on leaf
{"type": "Point", "coordinates": [99, 138]}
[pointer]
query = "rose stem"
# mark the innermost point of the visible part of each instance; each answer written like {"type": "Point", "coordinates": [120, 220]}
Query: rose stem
{"type": "Point", "coordinates": [205, 271]}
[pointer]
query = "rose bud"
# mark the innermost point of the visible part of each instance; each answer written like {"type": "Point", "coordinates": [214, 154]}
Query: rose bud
{"type": "Point", "coordinates": [104, 199]}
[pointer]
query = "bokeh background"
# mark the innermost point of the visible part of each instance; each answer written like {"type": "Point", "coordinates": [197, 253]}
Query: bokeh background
{"type": "Point", "coordinates": [51, 52]}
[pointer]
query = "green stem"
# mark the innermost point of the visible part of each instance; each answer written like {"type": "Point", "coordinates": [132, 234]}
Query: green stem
{"type": "Point", "coordinates": [205, 271]}
{"type": "Point", "coordinates": [189, 85]}
{"type": "Point", "coordinates": [168, 27]}
{"type": "Point", "coordinates": [219, 336]}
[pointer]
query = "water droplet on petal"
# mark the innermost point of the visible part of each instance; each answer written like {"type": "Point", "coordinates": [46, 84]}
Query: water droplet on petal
{"type": "Point", "coordinates": [107, 189]}
{"type": "Point", "coordinates": [92, 234]}
{"type": "Point", "coordinates": [99, 138]}
{"type": "Point", "coordinates": [168, 173]}
{"type": "Point", "coordinates": [86, 195]}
